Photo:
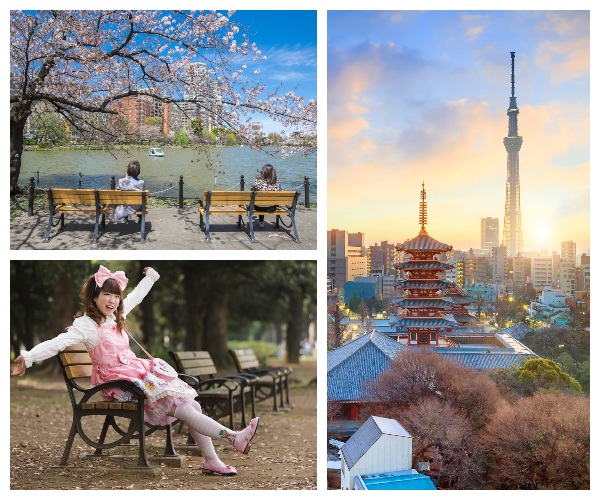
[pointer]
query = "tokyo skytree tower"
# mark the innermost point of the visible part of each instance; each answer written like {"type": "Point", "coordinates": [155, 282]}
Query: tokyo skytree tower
{"type": "Point", "coordinates": [512, 237]}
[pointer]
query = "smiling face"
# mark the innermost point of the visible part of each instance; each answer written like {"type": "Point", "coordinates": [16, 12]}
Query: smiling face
{"type": "Point", "coordinates": [107, 302]}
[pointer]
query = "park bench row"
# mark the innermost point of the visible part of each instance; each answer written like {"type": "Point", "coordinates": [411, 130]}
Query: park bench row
{"type": "Point", "coordinates": [101, 202]}
{"type": "Point", "coordinates": [219, 397]}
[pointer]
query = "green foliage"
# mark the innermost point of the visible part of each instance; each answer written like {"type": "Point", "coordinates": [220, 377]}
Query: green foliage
{"type": "Point", "coordinates": [50, 126]}
{"type": "Point", "coordinates": [154, 121]}
{"type": "Point", "coordinates": [181, 138]}
{"type": "Point", "coordinates": [538, 373]}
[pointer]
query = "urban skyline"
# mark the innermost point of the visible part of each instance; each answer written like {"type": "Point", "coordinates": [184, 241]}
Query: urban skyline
{"type": "Point", "coordinates": [423, 96]}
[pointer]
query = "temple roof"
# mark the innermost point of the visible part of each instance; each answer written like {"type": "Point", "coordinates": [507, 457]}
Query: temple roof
{"type": "Point", "coordinates": [405, 302]}
{"type": "Point", "coordinates": [423, 323]}
{"type": "Point", "coordinates": [357, 362]}
{"type": "Point", "coordinates": [434, 283]}
{"type": "Point", "coordinates": [425, 243]}
{"type": "Point", "coordinates": [423, 264]}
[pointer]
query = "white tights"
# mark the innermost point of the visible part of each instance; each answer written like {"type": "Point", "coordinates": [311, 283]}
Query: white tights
{"type": "Point", "coordinates": [203, 428]}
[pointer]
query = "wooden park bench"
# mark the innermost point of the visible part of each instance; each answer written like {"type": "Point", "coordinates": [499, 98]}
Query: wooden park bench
{"type": "Point", "coordinates": [272, 381]}
{"type": "Point", "coordinates": [218, 396]}
{"type": "Point", "coordinates": [243, 203]}
{"type": "Point", "coordinates": [124, 421]}
{"type": "Point", "coordinates": [96, 202]}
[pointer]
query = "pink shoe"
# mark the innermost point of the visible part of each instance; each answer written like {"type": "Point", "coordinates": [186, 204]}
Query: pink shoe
{"type": "Point", "coordinates": [241, 442]}
{"type": "Point", "coordinates": [223, 470]}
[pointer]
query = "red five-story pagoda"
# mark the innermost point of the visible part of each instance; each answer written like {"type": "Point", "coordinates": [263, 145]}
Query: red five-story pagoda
{"type": "Point", "coordinates": [420, 306]}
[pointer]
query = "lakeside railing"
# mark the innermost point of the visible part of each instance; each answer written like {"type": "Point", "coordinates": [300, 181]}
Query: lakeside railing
{"type": "Point", "coordinates": [160, 193]}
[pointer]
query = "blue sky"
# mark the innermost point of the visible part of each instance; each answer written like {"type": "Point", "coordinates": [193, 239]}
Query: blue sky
{"type": "Point", "coordinates": [416, 95]}
{"type": "Point", "coordinates": [289, 40]}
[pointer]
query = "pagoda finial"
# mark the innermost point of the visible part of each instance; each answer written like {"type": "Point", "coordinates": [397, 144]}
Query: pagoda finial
{"type": "Point", "coordinates": [423, 211]}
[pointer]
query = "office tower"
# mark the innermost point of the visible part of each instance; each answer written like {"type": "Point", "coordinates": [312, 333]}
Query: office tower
{"type": "Point", "coordinates": [490, 233]}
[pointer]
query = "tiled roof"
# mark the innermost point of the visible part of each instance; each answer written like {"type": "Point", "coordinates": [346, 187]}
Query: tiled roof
{"type": "Point", "coordinates": [423, 264]}
{"type": "Point", "coordinates": [423, 322]}
{"type": "Point", "coordinates": [517, 331]}
{"type": "Point", "coordinates": [422, 284]}
{"type": "Point", "coordinates": [421, 302]}
{"type": "Point", "coordinates": [483, 360]}
{"type": "Point", "coordinates": [367, 435]}
{"type": "Point", "coordinates": [424, 242]}
{"type": "Point", "coordinates": [359, 361]}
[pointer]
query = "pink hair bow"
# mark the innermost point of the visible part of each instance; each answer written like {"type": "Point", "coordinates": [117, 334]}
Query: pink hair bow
{"type": "Point", "coordinates": [104, 274]}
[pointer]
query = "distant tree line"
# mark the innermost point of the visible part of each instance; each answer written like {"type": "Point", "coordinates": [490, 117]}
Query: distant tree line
{"type": "Point", "coordinates": [195, 305]}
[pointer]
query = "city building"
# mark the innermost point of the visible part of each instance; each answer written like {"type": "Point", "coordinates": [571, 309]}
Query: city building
{"type": "Point", "coordinates": [378, 456]}
{"type": "Point", "coordinates": [382, 258]}
{"type": "Point", "coordinates": [551, 306]}
{"type": "Point", "coordinates": [490, 233]}
{"type": "Point", "coordinates": [136, 109]}
{"type": "Point", "coordinates": [544, 271]}
{"type": "Point", "coordinates": [512, 237]}
{"type": "Point", "coordinates": [256, 130]}
{"type": "Point", "coordinates": [499, 265]}
{"type": "Point", "coordinates": [362, 287]}
{"type": "Point", "coordinates": [583, 282]}
{"type": "Point", "coordinates": [568, 250]}
{"type": "Point", "coordinates": [519, 274]}
{"type": "Point", "coordinates": [346, 257]}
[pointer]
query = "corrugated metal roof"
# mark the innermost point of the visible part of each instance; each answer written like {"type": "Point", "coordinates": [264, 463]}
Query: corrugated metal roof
{"type": "Point", "coordinates": [397, 481]}
{"type": "Point", "coordinates": [366, 436]}
{"type": "Point", "coordinates": [359, 361]}
{"type": "Point", "coordinates": [424, 242]}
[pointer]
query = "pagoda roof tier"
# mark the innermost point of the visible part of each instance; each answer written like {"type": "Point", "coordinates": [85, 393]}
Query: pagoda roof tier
{"type": "Point", "coordinates": [424, 243]}
{"type": "Point", "coordinates": [455, 290]}
{"type": "Point", "coordinates": [409, 265]}
{"type": "Point", "coordinates": [459, 299]}
{"type": "Point", "coordinates": [421, 302]}
{"type": "Point", "coordinates": [423, 284]}
{"type": "Point", "coordinates": [424, 323]}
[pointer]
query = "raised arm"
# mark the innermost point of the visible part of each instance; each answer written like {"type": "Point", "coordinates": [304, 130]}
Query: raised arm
{"type": "Point", "coordinates": [140, 291]}
{"type": "Point", "coordinates": [82, 330]}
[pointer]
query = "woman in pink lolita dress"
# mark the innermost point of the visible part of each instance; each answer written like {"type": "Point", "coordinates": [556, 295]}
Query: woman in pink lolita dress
{"type": "Point", "coordinates": [100, 326]}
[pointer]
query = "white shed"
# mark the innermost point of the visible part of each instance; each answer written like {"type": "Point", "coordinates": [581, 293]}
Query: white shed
{"type": "Point", "coordinates": [379, 445]}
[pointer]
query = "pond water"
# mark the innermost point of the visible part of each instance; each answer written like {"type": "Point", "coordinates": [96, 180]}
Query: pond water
{"type": "Point", "coordinates": [217, 168]}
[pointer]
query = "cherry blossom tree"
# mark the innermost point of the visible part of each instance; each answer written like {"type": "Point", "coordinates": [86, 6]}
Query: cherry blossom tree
{"type": "Point", "coordinates": [80, 64]}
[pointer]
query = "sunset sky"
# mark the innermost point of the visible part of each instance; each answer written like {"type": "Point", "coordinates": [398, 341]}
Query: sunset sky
{"type": "Point", "coordinates": [422, 96]}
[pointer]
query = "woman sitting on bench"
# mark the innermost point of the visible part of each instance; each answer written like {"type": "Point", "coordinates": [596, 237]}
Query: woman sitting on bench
{"type": "Point", "coordinates": [100, 325]}
{"type": "Point", "coordinates": [129, 183]}
{"type": "Point", "coordinates": [266, 181]}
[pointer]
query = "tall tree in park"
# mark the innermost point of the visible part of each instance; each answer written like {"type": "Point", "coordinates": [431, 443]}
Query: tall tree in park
{"type": "Point", "coordinates": [80, 64]}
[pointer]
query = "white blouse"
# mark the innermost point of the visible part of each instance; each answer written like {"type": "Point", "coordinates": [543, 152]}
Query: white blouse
{"type": "Point", "coordinates": [85, 329]}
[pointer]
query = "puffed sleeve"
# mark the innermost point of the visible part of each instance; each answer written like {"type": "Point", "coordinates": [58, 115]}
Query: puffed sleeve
{"type": "Point", "coordinates": [82, 330]}
{"type": "Point", "coordinates": [140, 291]}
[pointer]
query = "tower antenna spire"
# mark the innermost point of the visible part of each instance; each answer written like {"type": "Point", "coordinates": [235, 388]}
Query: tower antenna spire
{"type": "Point", "coordinates": [512, 75]}
{"type": "Point", "coordinates": [423, 210]}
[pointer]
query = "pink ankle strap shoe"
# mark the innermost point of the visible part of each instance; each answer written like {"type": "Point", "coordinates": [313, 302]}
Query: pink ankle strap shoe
{"type": "Point", "coordinates": [222, 470]}
{"type": "Point", "coordinates": [241, 442]}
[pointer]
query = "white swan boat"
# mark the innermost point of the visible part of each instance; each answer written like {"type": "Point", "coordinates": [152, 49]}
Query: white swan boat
{"type": "Point", "coordinates": [156, 152]}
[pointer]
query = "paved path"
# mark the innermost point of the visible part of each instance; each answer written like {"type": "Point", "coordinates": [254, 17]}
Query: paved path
{"type": "Point", "coordinates": [167, 229]}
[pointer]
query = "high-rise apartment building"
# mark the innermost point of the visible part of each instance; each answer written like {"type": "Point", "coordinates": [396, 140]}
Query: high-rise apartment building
{"type": "Point", "coordinates": [544, 271]}
{"type": "Point", "coordinates": [382, 258]}
{"type": "Point", "coordinates": [346, 257]}
{"type": "Point", "coordinates": [499, 265]}
{"type": "Point", "coordinates": [490, 233]}
{"type": "Point", "coordinates": [568, 250]}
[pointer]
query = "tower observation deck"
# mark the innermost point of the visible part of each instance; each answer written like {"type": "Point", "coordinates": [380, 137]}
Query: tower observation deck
{"type": "Point", "coordinates": [512, 237]}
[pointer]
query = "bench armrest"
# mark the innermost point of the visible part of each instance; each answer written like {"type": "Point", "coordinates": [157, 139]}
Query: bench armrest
{"type": "Point", "coordinates": [190, 380]}
{"type": "Point", "coordinates": [120, 384]}
{"type": "Point", "coordinates": [245, 379]}
{"type": "Point", "coordinates": [213, 383]}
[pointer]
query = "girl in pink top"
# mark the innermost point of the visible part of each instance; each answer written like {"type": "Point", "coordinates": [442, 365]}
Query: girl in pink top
{"type": "Point", "coordinates": [100, 325]}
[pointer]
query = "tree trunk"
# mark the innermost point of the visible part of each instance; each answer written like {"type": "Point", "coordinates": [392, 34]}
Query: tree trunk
{"type": "Point", "coordinates": [295, 325]}
{"type": "Point", "coordinates": [19, 112]}
{"type": "Point", "coordinates": [194, 312]}
{"type": "Point", "coordinates": [215, 329]}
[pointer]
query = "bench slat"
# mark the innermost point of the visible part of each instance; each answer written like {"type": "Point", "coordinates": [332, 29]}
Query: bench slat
{"type": "Point", "coordinates": [274, 197]}
{"type": "Point", "coordinates": [116, 197]}
{"type": "Point", "coordinates": [75, 358]}
{"type": "Point", "coordinates": [78, 371]}
{"type": "Point", "coordinates": [73, 196]}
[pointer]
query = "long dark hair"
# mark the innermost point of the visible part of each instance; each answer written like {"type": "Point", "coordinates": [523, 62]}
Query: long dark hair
{"type": "Point", "coordinates": [88, 307]}
{"type": "Point", "coordinates": [269, 174]}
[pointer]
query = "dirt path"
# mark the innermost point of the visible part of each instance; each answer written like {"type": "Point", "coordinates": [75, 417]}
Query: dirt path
{"type": "Point", "coordinates": [283, 452]}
